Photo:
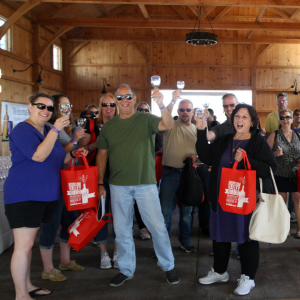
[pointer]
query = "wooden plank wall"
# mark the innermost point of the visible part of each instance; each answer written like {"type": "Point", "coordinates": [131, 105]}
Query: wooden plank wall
{"type": "Point", "coordinates": [16, 87]}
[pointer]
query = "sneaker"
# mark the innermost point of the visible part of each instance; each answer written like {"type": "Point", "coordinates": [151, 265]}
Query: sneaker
{"type": "Point", "coordinates": [54, 275]}
{"type": "Point", "coordinates": [189, 248]}
{"type": "Point", "coordinates": [95, 241]}
{"type": "Point", "coordinates": [214, 277]}
{"type": "Point", "coordinates": [293, 217]}
{"type": "Point", "coordinates": [119, 279]}
{"type": "Point", "coordinates": [105, 261]}
{"type": "Point", "coordinates": [172, 277]}
{"type": "Point", "coordinates": [144, 234]}
{"type": "Point", "coordinates": [115, 260]}
{"type": "Point", "coordinates": [71, 266]}
{"type": "Point", "coordinates": [237, 252]}
{"type": "Point", "coordinates": [245, 285]}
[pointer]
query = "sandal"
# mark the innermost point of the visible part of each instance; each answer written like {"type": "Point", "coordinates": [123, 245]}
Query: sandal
{"type": "Point", "coordinates": [34, 293]}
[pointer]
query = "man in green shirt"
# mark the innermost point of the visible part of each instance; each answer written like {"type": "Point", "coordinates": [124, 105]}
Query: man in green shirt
{"type": "Point", "coordinates": [128, 141]}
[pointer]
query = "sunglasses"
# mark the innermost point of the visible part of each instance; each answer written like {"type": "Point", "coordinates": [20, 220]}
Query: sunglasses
{"type": "Point", "coordinates": [127, 96]}
{"type": "Point", "coordinates": [42, 106]}
{"type": "Point", "coordinates": [104, 104]}
{"type": "Point", "coordinates": [185, 109]}
{"type": "Point", "coordinates": [146, 110]}
{"type": "Point", "coordinates": [232, 105]}
{"type": "Point", "coordinates": [285, 118]}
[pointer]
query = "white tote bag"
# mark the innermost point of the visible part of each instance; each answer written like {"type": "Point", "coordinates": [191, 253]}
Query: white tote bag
{"type": "Point", "coordinates": [270, 221]}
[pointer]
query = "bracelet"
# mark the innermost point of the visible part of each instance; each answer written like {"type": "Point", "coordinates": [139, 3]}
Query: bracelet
{"type": "Point", "coordinates": [162, 107]}
{"type": "Point", "coordinates": [73, 142]}
{"type": "Point", "coordinates": [173, 102]}
{"type": "Point", "coordinates": [55, 129]}
{"type": "Point", "coordinates": [88, 147]}
{"type": "Point", "coordinates": [100, 184]}
{"type": "Point", "coordinates": [72, 154]}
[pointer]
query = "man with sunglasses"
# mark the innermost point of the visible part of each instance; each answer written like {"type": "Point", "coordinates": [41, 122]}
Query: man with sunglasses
{"type": "Point", "coordinates": [128, 139]}
{"type": "Point", "coordinates": [229, 103]}
{"type": "Point", "coordinates": [178, 144]}
{"type": "Point", "coordinates": [272, 121]}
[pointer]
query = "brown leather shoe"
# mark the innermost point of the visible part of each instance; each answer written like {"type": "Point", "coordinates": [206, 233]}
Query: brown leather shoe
{"type": "Point", "coordinates": [71, 266]}
{"type": "Point", "coordinates": [54, 275]}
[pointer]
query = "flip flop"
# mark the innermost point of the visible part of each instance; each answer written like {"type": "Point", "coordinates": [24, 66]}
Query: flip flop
{"type": "Point", "coordinates": [34, 293]}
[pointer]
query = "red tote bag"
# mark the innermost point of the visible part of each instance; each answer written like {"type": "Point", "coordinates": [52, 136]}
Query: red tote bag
{"type": "Point", "coordinates": [237, 192]}
{"type": "Point", "coordinates": [79, 185]}
{"type": "Point", "coordinates": [85, 228]}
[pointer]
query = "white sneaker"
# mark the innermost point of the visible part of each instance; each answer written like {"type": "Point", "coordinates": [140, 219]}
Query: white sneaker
{"type": "Point", "coordinates": [144, 234]}
{"type": "Point", "coordinates": [214, 277]}
{"type": "Point", "coordinates": [245, 285]}
{"type": "Point", "coordinates": [105, 261]}
{"type": "Point", "coordinates": [115, 260]}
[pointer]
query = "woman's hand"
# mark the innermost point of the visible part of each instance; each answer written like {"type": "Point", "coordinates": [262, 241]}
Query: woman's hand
{"type": "Point", "coordinates": [83, 151]}
{"type": "Point", "coordinates": [200, 123]}
{"type": "Point", "coordinates": [79, 133]}
{"type": "Point", "coordinates": [62, 122]}
{"type": "Point", "coordinates": [278, 152]}
{"type": "Point", "coordinates": [239, 154]}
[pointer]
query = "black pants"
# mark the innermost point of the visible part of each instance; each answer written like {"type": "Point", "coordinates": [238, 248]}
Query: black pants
{"type": "Point", "coordinates": [249, 253]}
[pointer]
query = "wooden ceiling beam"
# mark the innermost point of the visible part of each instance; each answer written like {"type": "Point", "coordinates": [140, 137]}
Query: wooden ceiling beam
{"type": "Point", "coordinates": [280, 13]}
{"type": "Point", "coordinates": [264, 50]}
{"type": "Point", "coordinates": [222, 13]}
{"type": "Point", "coordinates": [117, 10]}
{"type": "Point", "coordinates": [166, 24]}
{"type": "Point", "coordinates": [104, 9]}
{"type": "Point", "coordinates": [55, 12]}
{"type": "Point", "coordinates": [180, 39]}
{"type": "Point", "coordinates": [258, 18]}
{"type": "Point", "coordinates": [295, 14]}
{"type": "Point", "coordinates": [146, 16]}
{"type": "Point", "coordinates": [17, 15]}
{"type": "Point", "coordinates": [183, 15]}
{"type": "Point", "coordinates": [77, 49]}
{"type": "Point", "coordinates": [240, 3]}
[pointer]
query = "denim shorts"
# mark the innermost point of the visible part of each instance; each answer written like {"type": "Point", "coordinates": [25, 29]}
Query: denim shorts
{"type": "Point", "coordinates": [29, 214]}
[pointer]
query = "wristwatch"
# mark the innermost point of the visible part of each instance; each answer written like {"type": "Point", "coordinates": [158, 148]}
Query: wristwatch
{"type": "Point", "coordinates": [173, 102]}
{"type": "Point", "coordinates": [75, 143]}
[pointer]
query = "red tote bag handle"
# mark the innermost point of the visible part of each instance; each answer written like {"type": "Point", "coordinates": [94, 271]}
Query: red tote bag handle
{"type": "Point", "coordinates": [246, 162]}
{"type": "Point", "coordinates": [72, 161]}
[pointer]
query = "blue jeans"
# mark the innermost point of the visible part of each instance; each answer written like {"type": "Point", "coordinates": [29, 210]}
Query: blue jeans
{"type": "Point", "coordinates": [61, 216]}
{"type": "Point", "coordinates": [169, 185]}
{"type": "Point", "coordinates": [122, 202]}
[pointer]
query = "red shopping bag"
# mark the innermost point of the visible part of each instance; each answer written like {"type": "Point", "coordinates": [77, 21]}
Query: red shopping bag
{"type": "Point", "coordinates": [85, 227]}
{"type": "Point", "coordinates": [158, 165]}
{"type": "Point", "coordinates": [79, 185]}
{"type": "Point", "coordinates": [237, 192]}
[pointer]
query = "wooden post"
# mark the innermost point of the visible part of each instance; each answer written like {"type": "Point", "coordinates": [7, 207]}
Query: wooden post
{"type": "Point", "coordinates": [65, 63]}
{"type": "Point", "coordinates": [149, 72]}
{"type": "Point", "coordinates": [35, 56]}
{"type": "Point", "coordinates": [253, 74]}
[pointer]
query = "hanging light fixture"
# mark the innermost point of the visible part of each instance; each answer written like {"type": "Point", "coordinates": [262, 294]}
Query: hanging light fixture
{"type": "Point", "coordinates": [295, 85]}
{"type": "Point", "coordinates": [198, 38]}
{"type": "Point", "coordinates": [39, 80]}
{"type": "Point", "coordinates": [107, 84]}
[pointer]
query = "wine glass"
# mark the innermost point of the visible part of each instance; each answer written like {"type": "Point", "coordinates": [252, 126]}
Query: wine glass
{"type": "Point", "coordinates": [206, 106]}
{"type": "Point", "coordinates": [65, 109]}
{"type": "Point", "coordinates": [80, 122]}
{"type": "Point", "coordinates": [199, 113]}
{"type": "Point", "coordinates": [180, 86]}
{"type": "Point", "coordinates": [155, 81]}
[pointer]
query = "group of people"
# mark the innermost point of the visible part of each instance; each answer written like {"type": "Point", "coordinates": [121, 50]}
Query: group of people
{"type": "Point", "coordinates": [122, 139]}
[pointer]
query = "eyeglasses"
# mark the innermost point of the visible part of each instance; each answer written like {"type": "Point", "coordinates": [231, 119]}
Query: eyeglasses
{"type": "Point", "coordinates": [285, 118]}
{"type": "Point", "coordinates": [127, 96]}
{"type": "Point", "coordinates": [297, 115]}
{"type": "Point", "coordinates": [185, 109]}
{"type": "Point", "coordinates": [42, 106]}
{"type": "Point", "coordinates": [232, 105]}
{"type": "Point", "coordinates": [104, 104]}
{"type": "Point", "coordinates": [146, 110]}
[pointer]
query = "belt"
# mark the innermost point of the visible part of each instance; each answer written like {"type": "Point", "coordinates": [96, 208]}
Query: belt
{"type": "Point", "coordinates": [172, 169]}
{"type": "Point", "coordinates": [202, 166]}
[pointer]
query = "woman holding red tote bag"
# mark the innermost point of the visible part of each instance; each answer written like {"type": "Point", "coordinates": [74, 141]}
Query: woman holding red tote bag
{"type": "Point", "coordinates": [227, 227]}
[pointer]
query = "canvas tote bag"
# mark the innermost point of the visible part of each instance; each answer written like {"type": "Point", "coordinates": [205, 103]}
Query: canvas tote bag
{"type": "Point", "coordinates": [270, 221]}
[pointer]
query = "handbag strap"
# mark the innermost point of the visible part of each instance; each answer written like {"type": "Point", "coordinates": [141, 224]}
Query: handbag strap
{"type": "Point", "coordinates": [246, 162]}
{"type": "Point", "coordinates": [274, 183]}
{"type": "Point", "coordinates": [72, 161]}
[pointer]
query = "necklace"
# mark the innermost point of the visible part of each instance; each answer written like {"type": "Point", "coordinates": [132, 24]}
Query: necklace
{"type": "Point", "coordinates": [234, 147]}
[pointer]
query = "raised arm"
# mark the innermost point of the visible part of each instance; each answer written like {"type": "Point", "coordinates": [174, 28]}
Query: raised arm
{"type": "Point", "coordinates": [175, 96]}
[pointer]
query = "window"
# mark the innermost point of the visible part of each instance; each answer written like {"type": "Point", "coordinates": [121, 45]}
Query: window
{"type": "Point", "coordinates": [5, 42]}
{"type": "Point", "coordinates": [57, 58]}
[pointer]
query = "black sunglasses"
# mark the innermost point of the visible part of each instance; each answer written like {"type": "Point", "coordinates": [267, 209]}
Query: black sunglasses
{"type": "Point", "coordinates": [146, 110]}
{"type": "Point", "coordinates": [104, 104]}
{"type": "Point", "coordinates": [232, 105]}
{"type": "Point", "coordinates": [127, 96]}
{"type": "Point", "coordinates": [285, 118]}
{"type": "Point", "coordinates": [42, 106]}
{"type": "Point", "coordinates": [183, 109]}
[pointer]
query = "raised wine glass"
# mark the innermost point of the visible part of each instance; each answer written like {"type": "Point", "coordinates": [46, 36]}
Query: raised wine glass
{"type": "Point", "coordinates": [180, 86]}
{"type": "Point", "coordinates": [65, 109]}
{"type": "Point", "coordinates": [206, 106]}
{"type": "Point", "coordinates": [80, 122]}
{"type": "Point", "coordinates": [155, 81]}
{"type": "Point", "coordinates": [199, 113]}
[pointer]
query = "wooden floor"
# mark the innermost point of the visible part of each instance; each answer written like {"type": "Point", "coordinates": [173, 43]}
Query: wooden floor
{"type": "Point", "coordinates": [278, 276]}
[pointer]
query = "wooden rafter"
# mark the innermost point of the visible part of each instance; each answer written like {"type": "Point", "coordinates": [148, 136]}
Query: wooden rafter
{"type": "Point", "coordinates": [104, 9]}
{"type": "Point", "coordinates": [263, 51]}
{"type": "Point", "coordinates": [135, 46]}
{"type": "Point", "coordinates": [166, 24]}
{"type": "Point", "coordinates": [17, 15]}
{"type": "Point", "coordinates": [182, 14]}
{"type": "Point", "coordinates": [57, 34]}
{"type": "Point", "coordinates": [77, 49]}
{"type": "Point", "coordinates": [55, 12]}
{"type": "Point", "coordinates": [280, 13]}
{"type": "Point", "coordinates": [146, 16]}
{"type": "Point", "coordinates": [222, 13]}
{"type": "Point", "coordinates": [117, 10]}
{"type": "Point", "coordinates": [258, 18]}
{"type": "Point", "coordinates": [295, 14]}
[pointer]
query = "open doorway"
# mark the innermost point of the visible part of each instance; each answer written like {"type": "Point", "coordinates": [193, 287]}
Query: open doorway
{"type": "Point", "coordinates": [214, 98]}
